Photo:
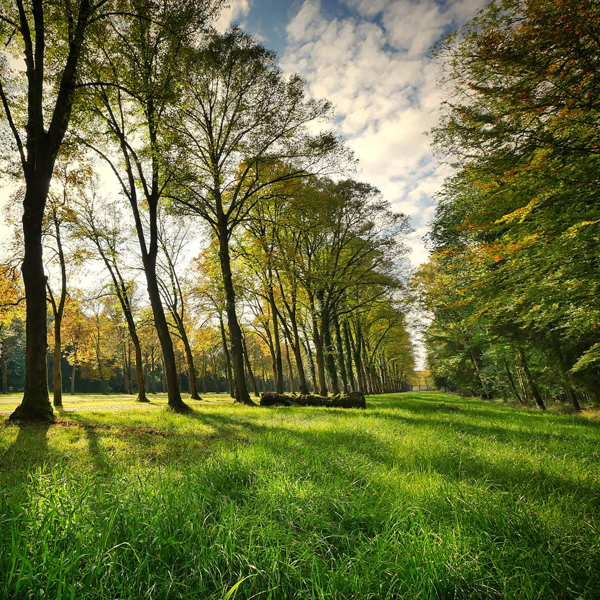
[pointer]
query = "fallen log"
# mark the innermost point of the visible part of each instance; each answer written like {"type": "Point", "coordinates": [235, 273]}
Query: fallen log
{"type": "Point", "coordinates": [352, 400]}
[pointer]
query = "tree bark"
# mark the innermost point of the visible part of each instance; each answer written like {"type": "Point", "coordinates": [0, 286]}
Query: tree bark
{"type": "Point", "coordinates": [235, 332]}
{"type": "Point", "coordinates": [534, 391]}
{"type": "Point", "coordinates": [477, 368]}
{"type": "Point", "coordinates": [127, 383]}
{"type": "Point", "coordinates": [249, 367]}
{"type": "Point", "coordinates": [289, 362]}
{"type": "Point", "coordinates": [162, 328]}
{"type": "Point", "coordinates": [278, 370]}
{"type": "Point", "coordinates": [139, 366]}
{"type": "Point", "coordinates": [59, 311]}
{"type": "Point", "coordinates": [319, 353]}
{"type": "Point", "coordinates": [36, 400]}
{"type": "Point", "coordinates": [329, 357]}
{"type": "Point", "coordinates": [293, 336]}
{"type": "Point", "coordinates": [194, 395]}
{"type": "Point", "coordinates": [349, 369]}
{"type": "Point", "coordinates": [311, 362]}
{"type": "Point", "coordinates": [73, 373]}
{"type": "Point", "coordinates": [227, 361]}
{"type": "Point", "coordinates": [121, 291]}
{"type": "Point", "coordinates": [340, 353]}
{"type": "Point", "coordinates": [41, 149]}
{"type": "Point", "coordinates": [563, 370]}
{"type": "Point", "coordinates": [357, 351]}
{"type": "Point", "coordinates": [103, 383]}
{"type": "Point", "coordinates": [4, 373]}
{"type": "Point", "coordinates": [56, 367]}
{"type": "Point", "coordinates": [522, 386]}
{"type": "Point", "coordinates": [511, 382]}
{"type": "Point", "coordinates": [297, 350]}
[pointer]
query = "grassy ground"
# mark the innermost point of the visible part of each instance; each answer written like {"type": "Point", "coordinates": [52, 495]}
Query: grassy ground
{"type": "Point", "coordinates": [423, 495]}
{"type": "Point", "coordinates": [9, 402]}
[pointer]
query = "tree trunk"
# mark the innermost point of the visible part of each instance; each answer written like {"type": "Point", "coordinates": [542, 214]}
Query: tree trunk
{"type": "Point", "coordinates": [41, 150]}
{"type": "Point", "coordinates": [235, 332]}
{"type": "Point", "coordinates": [357, 351]}
{"type": "Point", "coordinates": [36, 400]}
{"type": "Point", "coordinates": [278, 370]}
{"type": "Point", "coordinates": [297, 350]}
{"type": "Point", "coordinates": [296, 345]}
{"type": "Point", "coordinates": [190, 362]}
{"type": "Point", "coordinates": [522, 386]}
{"type": "Point", "coordinates": [146, 377]}
{"type": "Point", "coordinates": [349, 368]}
{"type": "Point", "coordinates": [56, 367]}
{"type": "Point", "coordinates": [127, 383]}
{"type": "Point", "coordinates": [4, 373]}
{"type": "Point", "coordinates": [129, 366]}
{"type": "Point", "coordinates": [249, 367]}
{"type": "Point", "coordinates": [227, 361]}
{"type": "Point", "coordinates": [103, 383]}
{"type": "Point", "coordinates": [73, 373]}
{"type": "Point", "coordinates": [139, 367]}
{"type": "Point", "coordinates": [320, 357]}
{"type": "Point", "coordinates": [563, 370]}
{"type": "Point", "coordinates": [477, 368]}
{"type": "Point", "coordinates": [58, 310]}
{"type": "Point", "coordinates": [534, 391]}
{"type": "Point", "coordinates": [340, 353]}
{"type": "Point", "coordinates": [366, 366]}
{"type": "Point", "coordinates": [311, 362]}
{"type": "Point", "coordinates": [319, 353]}
{"type": "Point", "coordinates": [329, 357]}
{"type": "Point", "coordinates": [162, 329]}
{"type": "Point", "coordinates": [122, 295]}
{"type": "Point", "coordinates": [289, 362]}
{"type": "Point", "coordinates": [511, 382]}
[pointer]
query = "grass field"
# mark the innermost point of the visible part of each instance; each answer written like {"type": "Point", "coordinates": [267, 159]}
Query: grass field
{"type": "Point", "coordinates": [423, 495]}
{"type": "Point", "coordinates": [10, 401]}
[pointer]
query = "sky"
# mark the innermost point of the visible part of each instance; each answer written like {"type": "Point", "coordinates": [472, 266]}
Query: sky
{"type": "Point", "coordinates": [371, 59]}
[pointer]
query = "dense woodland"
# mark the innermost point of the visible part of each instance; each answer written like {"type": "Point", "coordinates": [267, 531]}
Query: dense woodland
{"type": "Point", "coordinates": [189, 220]}
{"type": "Point", "coordinates": [511, 289]}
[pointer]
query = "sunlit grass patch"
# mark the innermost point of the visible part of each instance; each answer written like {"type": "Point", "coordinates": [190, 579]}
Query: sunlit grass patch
{"type": "Point", "coordinates": [402, 500]}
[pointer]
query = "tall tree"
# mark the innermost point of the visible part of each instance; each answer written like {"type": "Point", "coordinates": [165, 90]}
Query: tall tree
{"type": "Point", "coordinates": [50, 38]}
{"type": "Point", "coordinates": [137, 79]}
{"type": "Point", "coordinates": [241, 117]}
{"type": "Point", "coordinates": [103, 228]}
{"type": "Point", "coordinates": [70, 181]}
{"type": "Point", "coordinates": [173, 237]}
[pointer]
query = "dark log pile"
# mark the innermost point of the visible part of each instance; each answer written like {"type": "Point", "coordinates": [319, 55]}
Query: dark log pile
{"type": "Point", "coordinates": [351, 400]}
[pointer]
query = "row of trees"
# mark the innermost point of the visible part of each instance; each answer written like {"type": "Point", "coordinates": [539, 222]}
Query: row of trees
{"type": "Point", "coordinates": [98, 356]}
{"type": "Point", "coordinates": [319, 291]}
{"type": "Point", "coordinates": [205, 127]}
{"type": "Point", "coordinates": [512, 286]}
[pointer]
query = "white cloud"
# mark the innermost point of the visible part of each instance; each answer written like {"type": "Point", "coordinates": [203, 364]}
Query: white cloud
{"type": "Point", "coordinates": [233, 13]}
{"type": "Point", "coordinates": [374, 67]}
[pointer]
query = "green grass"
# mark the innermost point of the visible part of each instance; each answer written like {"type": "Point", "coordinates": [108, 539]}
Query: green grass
{"type": "Point", "coordinates": [9, 402]}
{"type": "Point", "coordinates": [407, 499]}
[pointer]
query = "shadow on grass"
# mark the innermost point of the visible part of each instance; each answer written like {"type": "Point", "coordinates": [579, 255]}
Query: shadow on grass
{"type": "Point", "coordinates": [462, 465]}
{"type": "Point", "coordinates": [552, 430]}
{"type": "Point", "coordinates": [337, 485]}
{"type": "Point", "coordinates": [30, 448]}
{"type": "Point", "coordinates": [97, 454]}
{"type": "Point", "coordinates": [342, 450]}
